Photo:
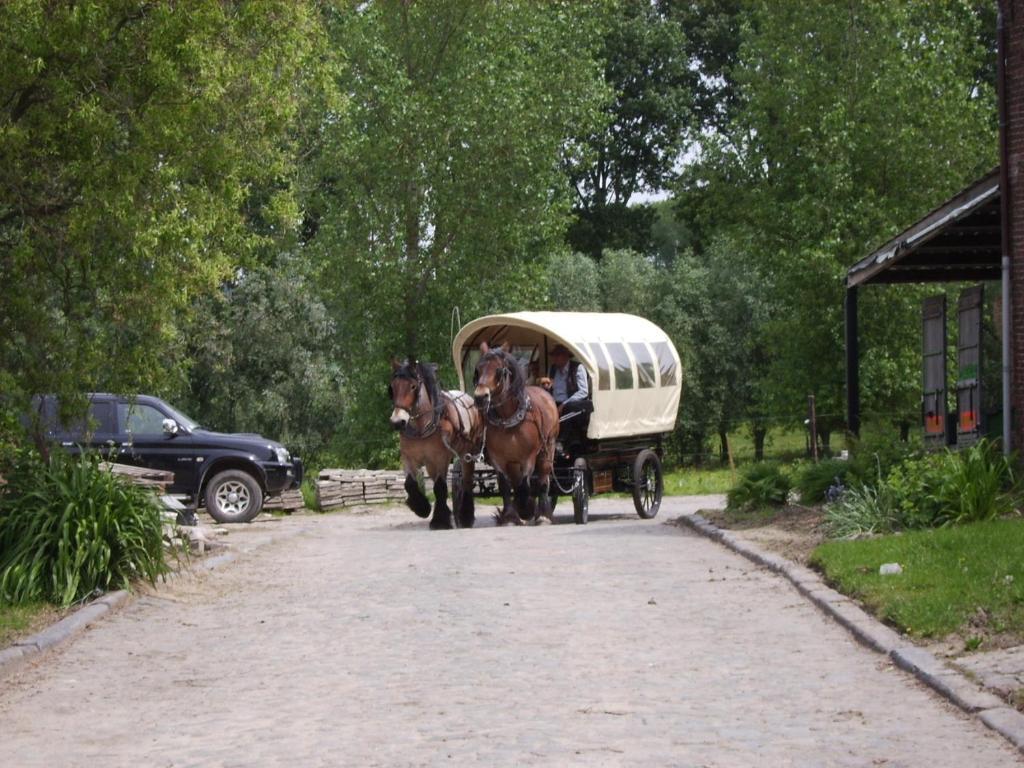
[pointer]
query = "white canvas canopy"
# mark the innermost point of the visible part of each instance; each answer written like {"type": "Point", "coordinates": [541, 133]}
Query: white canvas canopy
{"type": "Point", "coordinates": [633, 366]}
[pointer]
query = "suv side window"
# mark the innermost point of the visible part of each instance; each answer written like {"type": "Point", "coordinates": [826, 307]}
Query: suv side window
{"type": "Point", "coordinates": [139, 419]}
{"type": "Point", "coordinates": [100, 420]}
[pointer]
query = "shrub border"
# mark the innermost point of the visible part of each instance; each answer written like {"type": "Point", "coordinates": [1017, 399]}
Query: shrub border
{"type": "Point", "coordinates": [945, 680]}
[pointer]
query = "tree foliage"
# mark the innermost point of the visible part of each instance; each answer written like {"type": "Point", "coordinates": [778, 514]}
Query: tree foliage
{"type": "Point", "coordinates": [441, 188]}
{"type": "Point", "coordinates": [853, 119]}
{"type": "Point", "coordinates": [263, 359]}
{"type": "Point", "coordinates": [131, 136]}
{"type": "Point", "coordinates": [637, 145]}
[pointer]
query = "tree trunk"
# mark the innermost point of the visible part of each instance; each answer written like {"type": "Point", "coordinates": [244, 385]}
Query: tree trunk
{"type": "Point", "coordinates": [760, 433]}
{"type": "Point", "coordinates": [904, 431]}
{"type": "Point", "coordinates": [826, 439]}
{"type": "Point", "coordinates": [723, 446]}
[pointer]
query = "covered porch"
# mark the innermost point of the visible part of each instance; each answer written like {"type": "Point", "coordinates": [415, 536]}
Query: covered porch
{"type": "Point", "coordinates": [959, 241]}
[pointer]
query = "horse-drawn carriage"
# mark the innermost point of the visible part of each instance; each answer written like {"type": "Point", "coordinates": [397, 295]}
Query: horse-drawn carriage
{"type": "Point", "coordinates": [634, 387]}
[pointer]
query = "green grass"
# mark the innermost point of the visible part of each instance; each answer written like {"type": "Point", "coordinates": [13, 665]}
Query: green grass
{"type": "Point", "coordinates": [781, 444]}
{"type": "Point", "coordinates": [692, 482]}
{"type": "Point", "coordinates": [20, 620]}
{"type": "Point", "coordinates": [968, 578]}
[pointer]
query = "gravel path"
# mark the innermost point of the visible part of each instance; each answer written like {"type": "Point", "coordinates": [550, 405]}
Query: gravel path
{"type": "Point", "coordinates": [369, 640]}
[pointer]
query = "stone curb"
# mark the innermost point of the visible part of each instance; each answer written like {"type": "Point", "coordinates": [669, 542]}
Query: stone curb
{"type": "Point", "coordinates": [951, 684]}
{"type": "Point", "coordinates": [66, 628]}
{"type": "Point", "coordinates": [60, 631]}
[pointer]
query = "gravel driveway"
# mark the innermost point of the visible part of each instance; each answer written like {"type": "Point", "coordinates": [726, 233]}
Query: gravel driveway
{"type": "Point", "coordinates": [368, 640]}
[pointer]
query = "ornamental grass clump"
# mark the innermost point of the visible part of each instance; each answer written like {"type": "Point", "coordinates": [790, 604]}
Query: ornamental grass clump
{"type": "Point", "coordinates": [69, 529]}
{"type": "Point", "coordinates": [977, 484]}
{"type": "Point", "coordinates": [759, 485]}
{"type": "Point", "coordinates": [813, 480]}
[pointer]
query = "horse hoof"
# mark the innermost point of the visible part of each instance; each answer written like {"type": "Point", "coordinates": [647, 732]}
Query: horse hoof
{"type": "Point", "coordinates": [541, 520]}
{"type": "Point", "coordinates": [419, 509]}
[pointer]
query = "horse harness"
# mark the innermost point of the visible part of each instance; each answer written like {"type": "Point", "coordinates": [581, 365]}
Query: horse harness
{"type": "Point", "coordinates": [517, 418]}
{"type": "Point", "coordinates": [512, 421]}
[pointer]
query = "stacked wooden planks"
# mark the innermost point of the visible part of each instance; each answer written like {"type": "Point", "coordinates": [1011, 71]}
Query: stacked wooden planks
{"type": "Point", "coordinates": [144, 476]}
{"type": "Point", "coordinates": [349, 487]}
{"type": "Point", "coordinates": [288, 501]}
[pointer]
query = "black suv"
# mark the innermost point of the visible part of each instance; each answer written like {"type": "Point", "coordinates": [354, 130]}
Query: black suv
{"type": "Point", "coordinates": [230, 473]}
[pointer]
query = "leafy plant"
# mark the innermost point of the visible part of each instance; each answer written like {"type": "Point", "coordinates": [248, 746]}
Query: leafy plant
{"type": "Point", "coordinates": [974, 485]}
{"type": "Point", "coordinates": [760, 484]}
{"type": "Point", "coordinates": [863, 509]}
{"type": "Point", "coordinates": [876, 455]}
{"type": "Point", "coordinates": [814, 479]}
{"type": "Point", "coordinates": [70, 528]}
{"type": "Point", "coordinates": [911, 486]}
{"type": "Point", "coordinates": [944, 488]}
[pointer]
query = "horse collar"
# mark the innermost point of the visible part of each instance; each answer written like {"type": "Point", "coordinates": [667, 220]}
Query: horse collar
{"type": "Point", "coordinates": [515, 419]}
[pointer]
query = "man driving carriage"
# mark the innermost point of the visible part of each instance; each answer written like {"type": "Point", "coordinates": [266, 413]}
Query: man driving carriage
{"type": "Point", "coordinates": [571, 391]}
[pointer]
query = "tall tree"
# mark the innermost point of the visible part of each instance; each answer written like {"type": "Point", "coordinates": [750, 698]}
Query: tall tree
{"type": "Point", "coordinates": [131, 134]}
{"type": "Point", "coordinates": [443, 187]}
{"type": "Point", "coordinates": [854, 117]}
{"type": "Point", "coordinates": [638, 145]}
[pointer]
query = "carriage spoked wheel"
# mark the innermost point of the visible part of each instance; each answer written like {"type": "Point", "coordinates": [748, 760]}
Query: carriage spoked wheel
{"type": "Point", "coordinates": [580, 495]}
{"type": "Point", "coordinates": [648, 484]}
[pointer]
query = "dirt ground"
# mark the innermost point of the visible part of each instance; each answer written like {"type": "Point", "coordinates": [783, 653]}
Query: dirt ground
{"type": "Point", "coordinates": [792, 531]}
{"type": "Point", "coordinates": [369, 640]}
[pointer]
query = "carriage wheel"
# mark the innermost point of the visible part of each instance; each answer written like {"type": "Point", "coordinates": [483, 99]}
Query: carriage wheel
{"type": "Point", "coordinates": [580, 496]}
{"type": "Point", "coordinates": [647, 483]}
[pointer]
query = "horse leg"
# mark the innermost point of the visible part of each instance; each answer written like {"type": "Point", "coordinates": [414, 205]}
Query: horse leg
{"type": "Point", "coordinates": [442, 519]}
{"type": "Point", "coordinates": [544, 506]}
{"type": "Point", "coordinates": [467, 509]}
{"type": "Point", "coordinates": [522, 500]}
{"type": "Point", "coordinates": [417, 500]}
{"type": "Point", "coordinates": [504, 489]}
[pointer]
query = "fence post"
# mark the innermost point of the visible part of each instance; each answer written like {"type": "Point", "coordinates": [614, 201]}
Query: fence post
{"type": "Point", "coordinates": [814, 428]}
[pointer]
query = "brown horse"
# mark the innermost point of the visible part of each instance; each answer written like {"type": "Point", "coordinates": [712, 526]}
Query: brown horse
{"type": "Point", "coordinates": [521, 428]}
{"type": "Point", "coordinates": [434, 426]}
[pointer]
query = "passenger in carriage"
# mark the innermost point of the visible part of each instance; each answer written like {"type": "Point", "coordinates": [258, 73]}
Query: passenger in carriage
{"type": "Point", "coordinates": [571, 391]}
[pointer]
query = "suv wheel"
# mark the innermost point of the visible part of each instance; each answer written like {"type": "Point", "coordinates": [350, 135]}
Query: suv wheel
{"type": "Point", "coordinates": [233, 496]}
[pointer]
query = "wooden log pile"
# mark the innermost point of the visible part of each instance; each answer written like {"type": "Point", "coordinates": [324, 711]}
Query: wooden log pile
{"type": "Point", "coordinates": [350, 487]}
{"type": "Point", "coordinates": [288, 501]}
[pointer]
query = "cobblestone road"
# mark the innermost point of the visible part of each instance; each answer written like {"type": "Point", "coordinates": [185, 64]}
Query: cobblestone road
{"type": "Point", "coordinates": [369, 640]}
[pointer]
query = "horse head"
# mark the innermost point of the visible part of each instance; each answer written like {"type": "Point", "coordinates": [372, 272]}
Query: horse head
{"type": "Point", "coordinates": [496, 375]}
{"type": "Point", "coordinates": [408, 381]}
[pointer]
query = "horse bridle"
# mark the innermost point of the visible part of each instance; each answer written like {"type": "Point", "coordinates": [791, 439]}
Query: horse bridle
{"type": "Point", "coordinates": [505, 375]}
{"type": "Point", "coordinates": [408, 430]}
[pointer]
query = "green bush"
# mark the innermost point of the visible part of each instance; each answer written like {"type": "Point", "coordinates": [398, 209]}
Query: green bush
{"type": "Point", "coordinates": [69, 528]}
{"type": "Point", "coordinates": [974, 485]}
{"type": "Point", "coordinates": [814, 479]}
{"type": "Point", "coordinates": [759, 485]}
{"type": "Point", "coordinates": [911, 486]}
{"type": "Point", "coordinates": [876, 455]}
{"type": "Point", "coordinates": [936, 489]}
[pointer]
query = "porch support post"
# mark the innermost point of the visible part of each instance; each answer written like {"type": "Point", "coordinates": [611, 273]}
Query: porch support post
{"type": "Point", "coordinates": [852, 364]}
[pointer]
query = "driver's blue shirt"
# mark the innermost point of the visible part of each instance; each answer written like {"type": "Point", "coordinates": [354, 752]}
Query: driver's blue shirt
{"type": "Point", "coordinates": [560, 385]}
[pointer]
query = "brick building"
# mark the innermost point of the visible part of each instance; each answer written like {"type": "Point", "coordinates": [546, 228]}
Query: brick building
{"type": "Point", "coordinates": [1012, 107]}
